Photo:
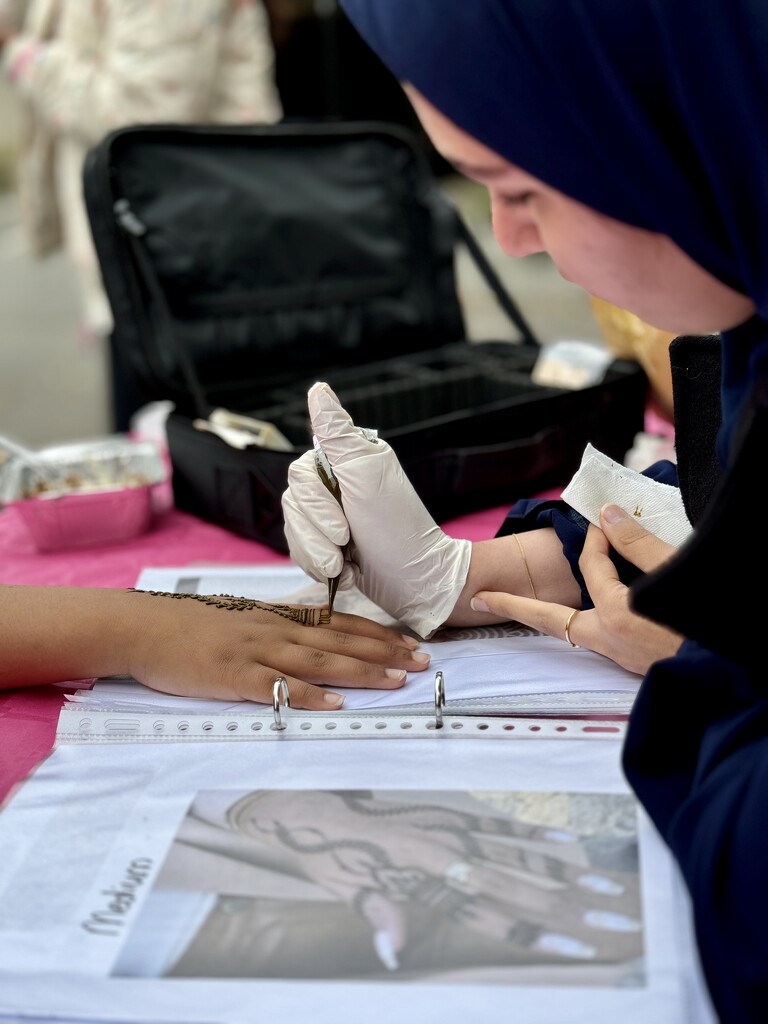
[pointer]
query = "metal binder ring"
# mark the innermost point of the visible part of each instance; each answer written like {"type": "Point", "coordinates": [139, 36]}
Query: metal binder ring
{"type": "Point", "coordinates": [280, 692]}
{"type": "Point", "coordinates": [439, 699]}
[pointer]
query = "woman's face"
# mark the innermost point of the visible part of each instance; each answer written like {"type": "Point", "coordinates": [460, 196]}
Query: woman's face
{"type": "Point", "coordinates": [637, 270]}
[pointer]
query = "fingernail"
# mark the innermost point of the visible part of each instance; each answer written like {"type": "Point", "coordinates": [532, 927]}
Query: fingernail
{"type": "Point", "coordinates": [559, 835]}
{"type": "Point", "coordinates": [334, 699]}
{"type": "Point", "coordinates": [410, 641]}
{"type": "Point", "coordinates": [395, 673]}
{"type": "Point", "coordinates": [478, 605]}
{"type": "Point", "coordinates": [565, 945]}
{"type": "Point", "coordinates": [385, 950]}
{"type": "Point", "coordinates": [422, 657]}
{"type": "Point", "coordinates": [611, 922]}
{"type": "Point", "coordinates": [601, 884]}
{"type": "Point", "coordinates": [613, 513]}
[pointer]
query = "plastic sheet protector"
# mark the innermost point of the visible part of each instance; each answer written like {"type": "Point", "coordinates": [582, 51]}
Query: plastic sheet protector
{"type": "Point", "coordinates": [377, 868]}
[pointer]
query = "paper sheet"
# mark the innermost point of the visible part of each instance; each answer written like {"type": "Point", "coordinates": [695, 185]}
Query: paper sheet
{"type": "Point", "coordinates": [154, 882]}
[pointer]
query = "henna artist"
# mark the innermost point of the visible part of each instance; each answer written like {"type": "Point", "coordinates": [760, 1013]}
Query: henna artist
{"type": "Point", "coordinates": [195, 646]}
{"type": "Point", "coordinates": [627, 140]}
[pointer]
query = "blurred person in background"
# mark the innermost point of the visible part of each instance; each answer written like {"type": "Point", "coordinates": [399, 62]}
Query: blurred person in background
{"type": "Point", "coordinates": [11, 18]}
{"type": "Point", "coordinates": [629, 337]}
{"type": "Point", "coordinates": [85, 67]}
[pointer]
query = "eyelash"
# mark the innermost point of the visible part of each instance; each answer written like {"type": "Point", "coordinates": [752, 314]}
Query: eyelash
{"type": "Point", "coordinates": [516, 200]}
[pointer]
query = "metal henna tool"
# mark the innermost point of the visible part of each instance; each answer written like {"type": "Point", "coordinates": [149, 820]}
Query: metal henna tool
{"type": "Point", "coordinates": [328, 477]}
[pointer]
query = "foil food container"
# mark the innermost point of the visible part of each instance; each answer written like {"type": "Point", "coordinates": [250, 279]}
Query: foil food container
{"type": "Point", "coordinates": [82, 495]}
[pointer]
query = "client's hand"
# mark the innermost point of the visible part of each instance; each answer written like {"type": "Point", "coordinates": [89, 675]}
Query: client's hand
{"type": "Point", "coordinates": [611, 628]}
{"type": "Point", "coordinates": [396, 554]}
{"type": "Point", "coordinates": [195, 646]}
{"type": "Point", "coordinates": [198, 650]}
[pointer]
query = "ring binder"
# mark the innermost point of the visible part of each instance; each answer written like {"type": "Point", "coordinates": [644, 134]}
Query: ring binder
{"type": "Point", "coordinates": [280, 690]}
{"type": "Point", "coordinates": [95, 728]}
{"type": "Point", "coordinates": [439, 699]}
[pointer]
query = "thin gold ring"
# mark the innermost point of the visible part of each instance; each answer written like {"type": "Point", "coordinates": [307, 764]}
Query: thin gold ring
{"type": "Point", "coordinates": [570, 619]}
{"type": "Point", "coordinates": [459, 876]}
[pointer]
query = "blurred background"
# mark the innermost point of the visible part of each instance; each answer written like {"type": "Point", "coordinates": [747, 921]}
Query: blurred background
{"type": "Point", "coordinates": [54, 376]}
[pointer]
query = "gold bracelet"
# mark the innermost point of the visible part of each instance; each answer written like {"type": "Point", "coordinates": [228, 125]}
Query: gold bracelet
{"type": "Point", "coordinates": [525, 563]}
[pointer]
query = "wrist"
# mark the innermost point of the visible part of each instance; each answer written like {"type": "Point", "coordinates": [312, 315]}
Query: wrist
{"type": "Point", "coordinates": [104, 632]}
{"type": "Point", "coordinates": [531, 565]}
{"type": "Point", "coordinates": [59, 634]}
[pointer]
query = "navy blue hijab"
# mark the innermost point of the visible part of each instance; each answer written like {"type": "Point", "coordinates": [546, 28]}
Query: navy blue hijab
{"type": "Point", "coordinates": [654, 112]}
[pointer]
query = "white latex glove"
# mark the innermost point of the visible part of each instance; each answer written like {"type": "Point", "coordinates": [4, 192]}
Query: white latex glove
{"type": "Point", "coordinates": [397, 555]}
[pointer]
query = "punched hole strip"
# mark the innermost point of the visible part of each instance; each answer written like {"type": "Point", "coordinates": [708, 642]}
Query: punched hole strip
{"type": "Point", "coordinates": [78, 726]}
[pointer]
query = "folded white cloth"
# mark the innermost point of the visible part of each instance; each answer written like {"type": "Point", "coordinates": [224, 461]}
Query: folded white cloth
{"type": "Point", "coordinates": [657, 506]}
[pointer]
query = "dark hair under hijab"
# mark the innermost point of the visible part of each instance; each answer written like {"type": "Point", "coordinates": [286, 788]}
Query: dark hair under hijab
{"type": "Point", "coordinates": [655, 112]}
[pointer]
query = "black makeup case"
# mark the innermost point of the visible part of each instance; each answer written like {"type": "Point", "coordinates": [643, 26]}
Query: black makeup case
{"type": "Point", "coordinates": [244, 263]}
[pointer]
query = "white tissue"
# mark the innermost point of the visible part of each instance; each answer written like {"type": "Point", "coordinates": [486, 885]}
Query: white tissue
{"type": "Point", "coordinates": [657, 506]}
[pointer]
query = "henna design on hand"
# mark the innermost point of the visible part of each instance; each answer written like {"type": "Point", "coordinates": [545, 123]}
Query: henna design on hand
{"type": "Point", "coordinates": [303, 615]}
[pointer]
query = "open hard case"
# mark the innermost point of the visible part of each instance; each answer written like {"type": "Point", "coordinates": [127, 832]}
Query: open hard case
{"type": "Point", "coordinates": [244, 263]}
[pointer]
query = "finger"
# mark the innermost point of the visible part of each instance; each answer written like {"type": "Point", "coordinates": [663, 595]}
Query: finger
{"type": "Point", "coordinates": [329, 668]}
{"type": "Point", "coordinates": [388, 923]}
{"type": "Point", "coordinates": [252, 682]}
{"type": "Point", "coordinates": [358, 625]}
{"type": "Point", "coordinates": [601, 575]}
{"type": "Point", "coordinates": [632, 541]}
{"type": "Point", "coordinates": [304, 546]}
{"type": "Point", "coordinates": [308, 496]}
{"type": "Point", "coordinates": [490, 829]}
{"type": "Point", "coordinates": [560, 932]}
{"type": "Point", "coordinates": [604, 902]}
{"type": "Point", "coordinates": [597, 551]}
{"type": "Point", "coordinates": [256, 683]}
{"type": "Point", "coordinates": [341, 440]}
{"type": "Point", "coordinates": [302, 695]}
{"type": "Point", "coordinates": [311, 550]}
{"type": "Point", "coordinates": [545, 616]}
{"type": "Point", "coordinates": [392, 651]}
{"type": "Point", "coordinates": [315, 526]}
{"type": "Point", "coordinates": [609, 594]}
{"type": "Point", "coordinates": [545, 867]}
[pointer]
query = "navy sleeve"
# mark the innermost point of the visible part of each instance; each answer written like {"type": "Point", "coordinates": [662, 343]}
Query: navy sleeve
{"type": "Point", "coordinates": [696, 755]}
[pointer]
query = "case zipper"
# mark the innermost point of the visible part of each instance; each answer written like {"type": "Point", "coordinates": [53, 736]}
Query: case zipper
{"type": "Point", "coordinates": [127, 219]}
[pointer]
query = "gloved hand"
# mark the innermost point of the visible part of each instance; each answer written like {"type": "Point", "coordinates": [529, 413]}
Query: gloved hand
{"type": "Point", "coordinates": [397, 555]}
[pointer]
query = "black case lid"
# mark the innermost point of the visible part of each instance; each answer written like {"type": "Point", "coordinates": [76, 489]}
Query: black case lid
{"type": "Point", "coordinates": [246, 256]}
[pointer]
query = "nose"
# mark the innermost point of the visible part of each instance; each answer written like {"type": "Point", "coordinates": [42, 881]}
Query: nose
{"type": "Point", "coordinates": [515, 230]}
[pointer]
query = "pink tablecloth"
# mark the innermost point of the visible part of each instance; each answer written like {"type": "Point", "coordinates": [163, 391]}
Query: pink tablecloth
{"type": "Point", "coordinates": [28, 717]}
